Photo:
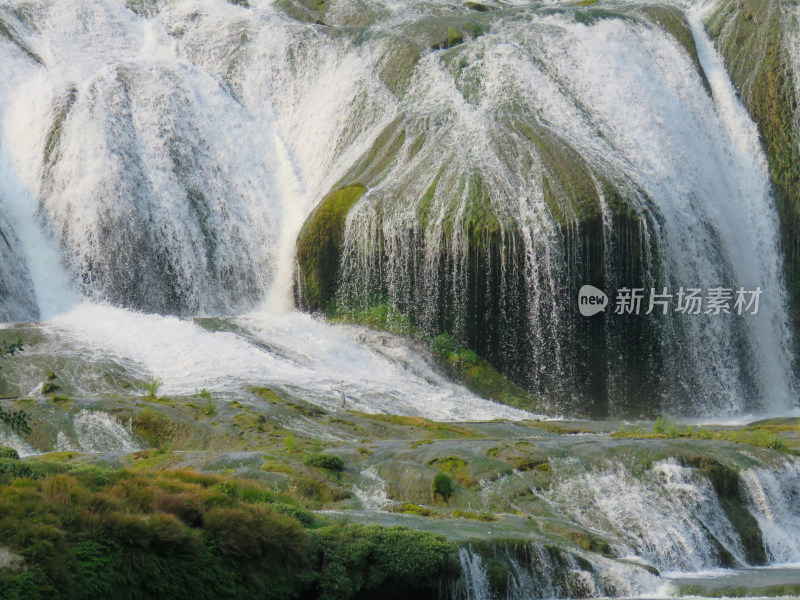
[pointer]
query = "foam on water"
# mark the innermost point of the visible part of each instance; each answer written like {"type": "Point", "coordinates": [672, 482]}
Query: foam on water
{"type": "Point", "coordinates": [291, 351]}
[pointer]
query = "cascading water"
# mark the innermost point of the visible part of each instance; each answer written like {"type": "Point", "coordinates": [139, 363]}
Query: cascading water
{"type": "Point", "coordinates": [670, 517]}
{"type": "Point", "coordinates": [663, 523]}
{"type": "Point", "coordinates": [162, 157]}
{"type": "Point", "coordinates": [537, 571]}
{"type": "Point", "coordinates": [774, 496]}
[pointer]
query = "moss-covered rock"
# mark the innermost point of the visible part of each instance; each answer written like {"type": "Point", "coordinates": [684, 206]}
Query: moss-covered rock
{"type": "Point", "coordinates": [319, 247]}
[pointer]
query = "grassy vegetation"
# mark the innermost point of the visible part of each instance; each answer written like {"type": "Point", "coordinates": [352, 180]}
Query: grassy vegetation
{"type": "Point", "coordinates": [87, 532]}
{"type": "Point", "coordinates": [151, 388]}
{"type": "Point", "coordinates": [788, 591]}
{"type": "Point", "coordinates": [767, 436]}
{"type": "Point", "coordinates": [324, 461]}
{"type": "Point", "coordinates": [443, 430]}
{"type": "Point", "coordinates": [8, 453]}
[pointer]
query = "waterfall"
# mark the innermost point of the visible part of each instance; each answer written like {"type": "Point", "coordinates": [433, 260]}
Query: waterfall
{"type": "Point", "coordinates": [670, 516]}
{"type": "Point", "coordinates": [666, 516]}
{"type": "Point", "coordinates": [473, 576]}
{"type": "Point", "coordinates": [773, 496]}
{"type": "Point", "coordinates": [163, 157]}
{"type": "Point", "coordinates": [535, 570]}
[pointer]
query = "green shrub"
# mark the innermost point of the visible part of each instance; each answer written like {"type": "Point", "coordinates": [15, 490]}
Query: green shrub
{"type": "Point", "coordinates": [368, 561]}
{"type": "Point", "coordinates": [442, 486]}
{"type": "Point", "coordinates": [11, 467]}
{"type": "Point", "coordinates": [301, 514]}
{"type": "Point", "coordinates": [672, 432]}
{"type": "Point", "coordinates": [468, 356]}
{"type": "Point", "coordinates": [256, 531]}
{"type": "Point", "coordinates": [324, 461]}
{"type": "Point", "coordinates": [444, 345]}
{"type": "Point", "coordinates": [16, 420]}
{"type": "Point", "coordinates": [7, 452]}
{"type": "Point", "coordinates": [151, 388]}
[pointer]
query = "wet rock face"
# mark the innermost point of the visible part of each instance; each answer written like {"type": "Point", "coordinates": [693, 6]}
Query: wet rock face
{"type": "Point", "coordinates": [490, 240]}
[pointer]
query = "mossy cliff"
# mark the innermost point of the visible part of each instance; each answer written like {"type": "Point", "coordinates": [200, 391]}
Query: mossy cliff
{"type": "Point", "coordinates": [755, 38]}
{"type": "Point", "coordinates": [440, 247]}
{"type": "Point", "coordinates": [319, 247]}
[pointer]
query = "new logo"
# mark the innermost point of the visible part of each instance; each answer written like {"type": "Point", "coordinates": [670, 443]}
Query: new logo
{"type": "Point", "coordinates": [591, 300]}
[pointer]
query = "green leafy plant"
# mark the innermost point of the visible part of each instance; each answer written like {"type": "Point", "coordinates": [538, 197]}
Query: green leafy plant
{"type": "Point", "coordinates": [151, 388]}
{"type": "Point", "coordinates": [209, 408]}
{"type": "Point", "coordinates": [10, 453]}
{"type": "Point", "coordinates": [16, 420]}
{"type": "Point", "coordinates": [444, 344]}
{"type": "Point", "coordinates": [324, 461]}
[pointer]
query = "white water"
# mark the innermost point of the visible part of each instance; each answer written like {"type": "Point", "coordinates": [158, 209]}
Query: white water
{"type": "Point", "coordinates": [293, 352]}
{"type": "Point", "coordinates": [664, 517]}
{"type": "Point", "coordinates": [166, 163]}
{"type": "Point", "coordinates": [536, 573]}
{"type": "Point", "coordinates": [774, 499]}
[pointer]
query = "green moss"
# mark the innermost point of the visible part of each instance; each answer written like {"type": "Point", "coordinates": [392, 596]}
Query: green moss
{"type": "Point", "coordinates": [454, 37]}
{"type": "Point", "coordinates": [308, 11]}
{"type": "Point", "coordinates": [305, 408]}
{"type": "Point", "coordinates": [584, 540]}
{"type": "Point", "coordinates": [473, 516]}
{"type": "Point", "coordinates": [319, 247]}
{"type": "Point", "coordinates": [787, 590]}
{"type": "Point", "coordinates": [458, 469]}
{"type": "Point", "coordinates": [445, 430]}
{"type": "Point", "coordinates": [48, 387]}
{"type": "Point", "coordinates": [415, 509]}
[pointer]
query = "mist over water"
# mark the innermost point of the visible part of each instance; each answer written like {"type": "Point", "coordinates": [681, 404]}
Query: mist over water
{"type": "Point", "coordinates": [158, 159]}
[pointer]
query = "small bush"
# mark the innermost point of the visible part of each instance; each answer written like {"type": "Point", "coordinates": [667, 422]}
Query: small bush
{"type": "Point", "coordinates": [324, 461]}
{"type": "Point", "coordinates": [444, 345]}
{"type": "Point", "coordinates": [255, 532]}
{"type": "Point", "coordinates": [664, 426]}
{"type": "Point", "coordinates": [10, 453]}
{"type": "Point", "coordinates": [302, 515]}
{"type": "Point", "coordinates": [777, 443]}
{"type": "Point", "coordinates": [468, 356]}
{"type": "Point", "coordinates": [48, 387]}
{"type": "Point", "coordinates": [14, 468]}
{"type": "Point", "coordinates": [151, 388]}
{"type": "Point", "coordinates": [672, 432]}
{"type": "Point", "coordinates": [442, 486]}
